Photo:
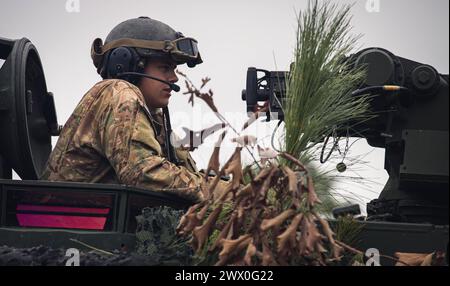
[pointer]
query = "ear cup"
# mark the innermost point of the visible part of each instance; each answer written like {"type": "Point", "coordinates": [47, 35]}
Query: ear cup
{"type": "Point", "coordinates": [122, 60]}
{"type": "Point", "coordinates": [119, 61]}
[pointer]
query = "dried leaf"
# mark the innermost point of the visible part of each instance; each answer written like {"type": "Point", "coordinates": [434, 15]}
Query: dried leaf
{"type": "Point", "coordinates": [263, 174]}
{"type": "Point", "coordinates": [311, 234]}
{"type": "Point", "coordinates": [288, 236]}
{"type": "Point", "coordinates": [180, 73]}
{"type": "Point", "coordinates": [320, 248]}
{"type": "Point", "coordinates": [329, 234]}
{"type": "Point", "coordinates": [224, 233]}
{"type": "Point", "coordinates": [276, 221]}
{"type": "Point", "coordinates": [231, 231]}
{"type": "Point", "coordinates": [192, 90]}
{"type": "Point", "coordinates": [211, 188]}
{"type": "Point", "coordinates": [201, 233]}
{"type": "Point", "coordinates": [231, 247]}
{"type": "Point", "coordinates": [189, 220]}
{"type": "Point", "coordinates": [414, 259]}
{"type": "Point", "coordinates": [240, 212]}
{"type": "Point", "coordinates": [292, 177]}
{"type": "Point", "coordinates": [231, 159]}
{"type": "Point", "coordinates": [191, 99]}
{"type": "Point", "coordinates": [208, 99]}
{"type": "Point", "coordinates": [302, 250]}
{"type": "Point", "coordinates": [214, 164]}
{"type": "Point", "coordinates": [267, 182]}
{"type": "Point", "coordinates": [201, 214]}
{"type": "Point", "coordinates": [293, 160]}
{"type": "Point", "coordinates": [249, 253]}
{"type": "Point", "coordinates": [312, 195]}
{"type": "Point", "coordinates": [225, 193]}
{"type": "Point", "coordinates": [267, 256]}
{"type": "Point", "coordinates": [205, 81]}
{"type": "Point", "coordinates": [428, 261]}
{"type": "Point", "coordinates": [235, 169]}
{"type": "Point", "coordinates": [245, 191]}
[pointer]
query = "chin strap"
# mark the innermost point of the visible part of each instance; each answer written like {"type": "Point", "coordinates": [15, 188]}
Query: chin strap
{"type": "Point", "coordinates": [171, 155]}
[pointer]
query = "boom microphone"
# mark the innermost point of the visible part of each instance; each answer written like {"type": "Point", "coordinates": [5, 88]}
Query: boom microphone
{"type": "Point", "coordinates": [173, 86]}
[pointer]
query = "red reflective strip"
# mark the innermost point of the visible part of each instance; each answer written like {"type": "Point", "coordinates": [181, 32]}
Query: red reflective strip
{"type": "Point", "coordinates": [62, 209]}
{"type": "Point", "coordinates": [60, 221]}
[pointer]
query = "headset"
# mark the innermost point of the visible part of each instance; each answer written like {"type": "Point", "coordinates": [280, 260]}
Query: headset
{"type": "Point", "coordinates": [125, 63]}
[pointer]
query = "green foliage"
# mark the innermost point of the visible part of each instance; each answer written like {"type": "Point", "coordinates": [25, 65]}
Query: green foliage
{"type": "Point", "coordinates": [318, 97]}
{"type": "Point", "coordinates": [156, 237]}
{"type": "Point", "coordinates": [276, 218]}
{"type": "Point", "coordinates": [318, 93]}
{"type": "Point", "coordinates": [347, 230]}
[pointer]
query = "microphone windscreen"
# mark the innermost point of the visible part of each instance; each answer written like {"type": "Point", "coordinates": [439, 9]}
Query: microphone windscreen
{"type": "Point", "coordinates": [175, 87]}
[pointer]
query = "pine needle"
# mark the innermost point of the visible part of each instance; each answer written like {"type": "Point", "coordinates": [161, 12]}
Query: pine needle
{"type": "Point", "coordinates": [318, 93]}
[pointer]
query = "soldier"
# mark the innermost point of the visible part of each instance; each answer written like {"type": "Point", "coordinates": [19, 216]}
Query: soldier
{"type": "Point", "coordinates": [118, 133]}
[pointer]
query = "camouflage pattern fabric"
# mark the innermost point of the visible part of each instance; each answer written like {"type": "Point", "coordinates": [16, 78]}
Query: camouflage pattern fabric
{"type": "Point", "coordinates": [112, 138]}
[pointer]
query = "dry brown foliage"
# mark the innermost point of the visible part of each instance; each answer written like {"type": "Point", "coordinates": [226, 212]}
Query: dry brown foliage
{"type": "Point", "coordinates": [258, 230]}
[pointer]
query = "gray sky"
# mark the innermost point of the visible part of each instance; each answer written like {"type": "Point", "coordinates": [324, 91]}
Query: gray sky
{"type": "Point", "coordinates": [233, 35]}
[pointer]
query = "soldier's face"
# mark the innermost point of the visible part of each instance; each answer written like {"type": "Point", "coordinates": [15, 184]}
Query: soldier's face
{"type": "Point", "coordinates": [156, 93]}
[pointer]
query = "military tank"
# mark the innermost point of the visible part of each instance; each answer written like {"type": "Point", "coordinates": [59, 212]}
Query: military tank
{"type": "Point", "coordinates": [411, 214]}
{"type": "Point", "coordinates": [35, 212]}
{"type": "Point", "coordinates": [410, 101]}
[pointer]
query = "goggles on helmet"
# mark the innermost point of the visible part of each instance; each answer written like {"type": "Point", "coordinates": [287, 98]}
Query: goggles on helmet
{"type": "Point", "coordinates": [182, 50]}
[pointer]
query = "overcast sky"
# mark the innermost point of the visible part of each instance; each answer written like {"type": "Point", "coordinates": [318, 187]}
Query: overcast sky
{"type": "Point", "coordinates": [233, 35]}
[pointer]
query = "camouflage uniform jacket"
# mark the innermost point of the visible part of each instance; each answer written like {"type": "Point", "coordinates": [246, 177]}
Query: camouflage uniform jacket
{"type": "Point", "coordinates": [112, 137]}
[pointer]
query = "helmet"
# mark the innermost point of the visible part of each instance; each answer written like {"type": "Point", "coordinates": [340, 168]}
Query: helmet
{"type": "Point", "coordinates": [129, 43]}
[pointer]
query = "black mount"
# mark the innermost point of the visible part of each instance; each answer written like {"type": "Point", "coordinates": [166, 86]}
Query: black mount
{"type": "Point", "coordinates": [27, 111]}
{"type": "Point", "coordinates": [411, 125]}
